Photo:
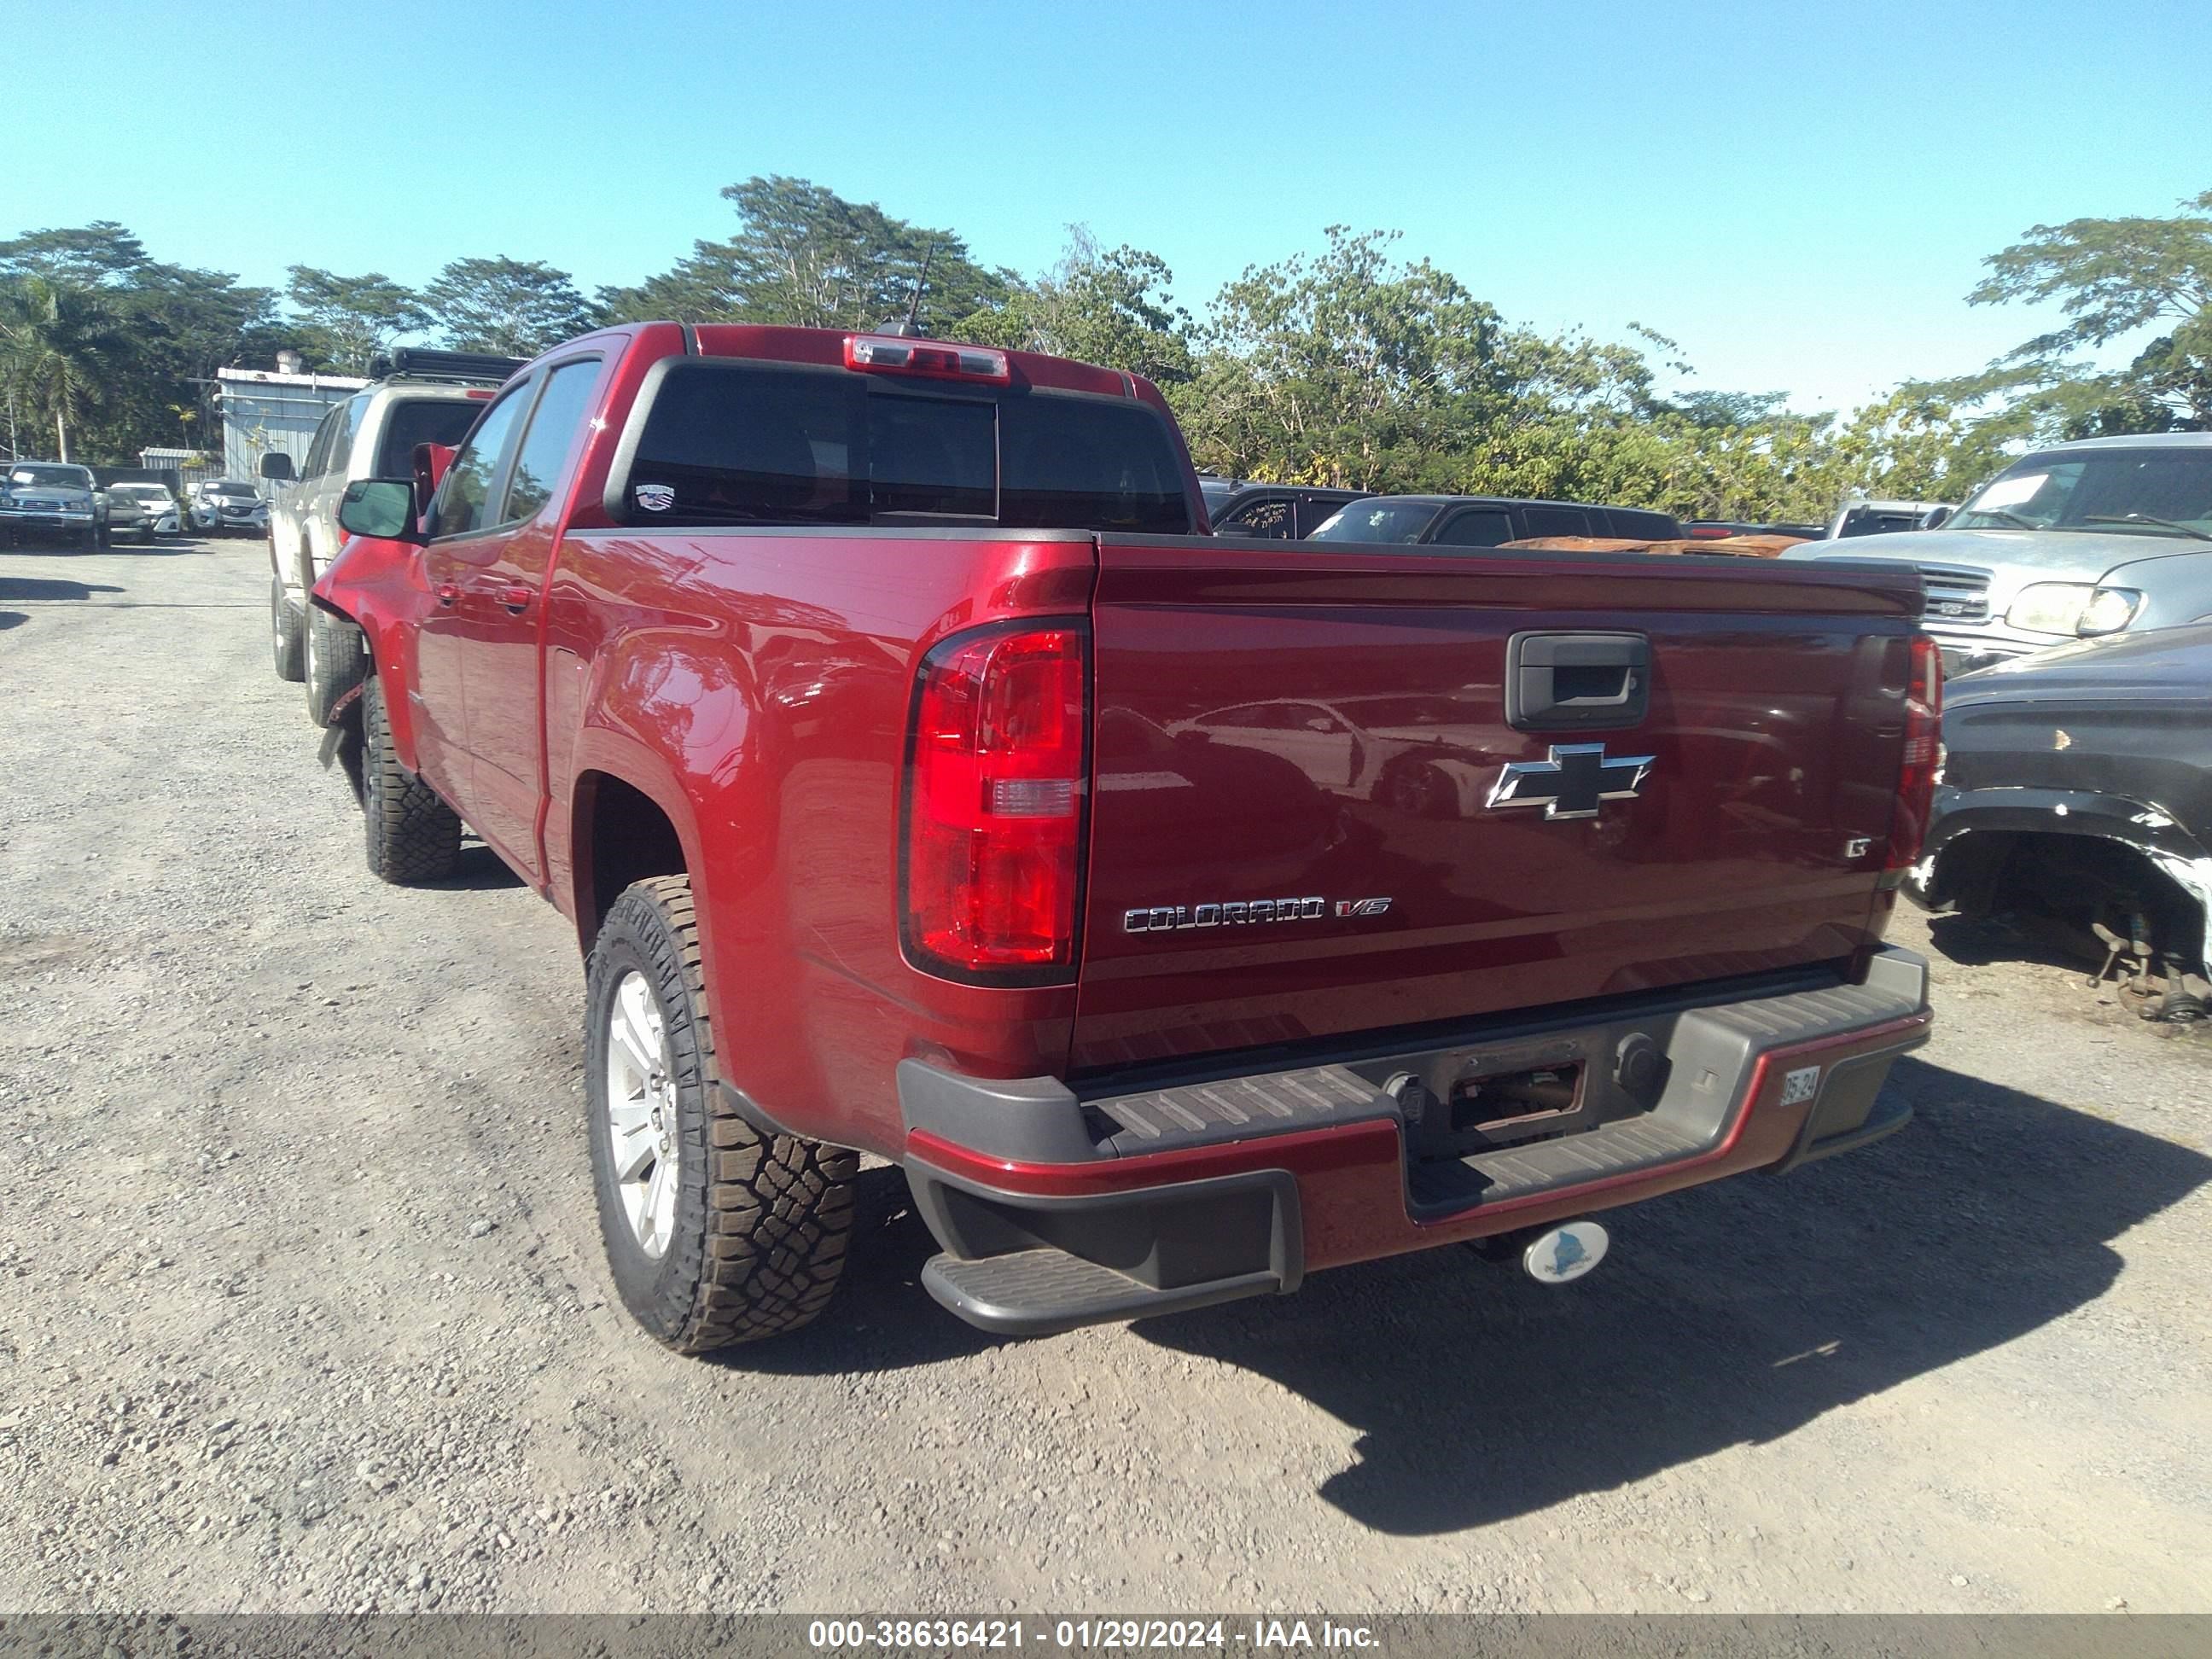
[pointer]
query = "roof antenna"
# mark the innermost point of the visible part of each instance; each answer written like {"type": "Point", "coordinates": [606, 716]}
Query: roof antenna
{"type": "Point", "coordinates": [908, 328]}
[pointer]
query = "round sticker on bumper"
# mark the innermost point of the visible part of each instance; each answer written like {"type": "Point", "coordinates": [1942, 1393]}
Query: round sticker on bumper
{"type": "Point", "coordinates": [1566, 1252]}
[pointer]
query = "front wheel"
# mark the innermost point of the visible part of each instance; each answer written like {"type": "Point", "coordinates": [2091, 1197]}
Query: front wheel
{"type": "Point", "coordinates": [336, 661]}
{"type": "Point", "coordinates": [413, 835]}
{"type": "Point", "coordinates": [286, 629]}
{"type": "Point", "coordinates": [715, 1232]}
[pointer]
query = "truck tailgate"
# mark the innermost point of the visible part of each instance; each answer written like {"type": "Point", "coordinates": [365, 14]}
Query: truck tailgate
{"type": "Point", "coordinates": [1285, 738]}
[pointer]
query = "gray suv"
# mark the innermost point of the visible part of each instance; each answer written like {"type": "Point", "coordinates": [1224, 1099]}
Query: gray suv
{"type": "Point", "coordinates": [426, 397]}
{"type": "Point", "coordinates": [2086, 540]}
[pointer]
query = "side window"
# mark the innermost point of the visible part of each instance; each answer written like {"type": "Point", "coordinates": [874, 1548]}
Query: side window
{"type": "Point", "coordinates": [345, 421]}
{"type": "Point", "coordinates": [1482, 527]}
{"type": "Point", "coordinates": [550, 437]}
{"type": "Point", "coordinates": [319, 450]}
{"type": "Point", "coordinates": [464, 499]}
{"type": "Point", "coordinates": [1635, 525]}
{"type": "Point", "coordinates": [1313, 512]}
{"type": "Point", "coordinates": [1270, 518]}
{"type": "Point", "coordinates": [1555, 521]}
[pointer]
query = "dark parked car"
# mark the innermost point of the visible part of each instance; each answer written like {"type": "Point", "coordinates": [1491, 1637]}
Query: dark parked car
{"type": "Point", "coordinates": [41, 499]}
{"type": "Point", "coordinates": [1274, 511]}
{"type": "Point", "coordinates": [1487, 521]}
{"type": "Point", "coordinates": [2076, 793]}
{"type": "Point", "coordinates": [143, 510]}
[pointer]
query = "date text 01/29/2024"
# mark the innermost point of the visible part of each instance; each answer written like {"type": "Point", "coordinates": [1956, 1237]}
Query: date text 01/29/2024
{"type": "Point", "coordinates": [1207, 1635]}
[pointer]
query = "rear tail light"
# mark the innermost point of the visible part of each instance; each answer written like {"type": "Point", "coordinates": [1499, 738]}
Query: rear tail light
{"type": "Point", "coordinates": [993, 864]}
{"type": "Point", "coordinates": [1923, 751]}
{"type": "Point", "coordinates": [888, 354]}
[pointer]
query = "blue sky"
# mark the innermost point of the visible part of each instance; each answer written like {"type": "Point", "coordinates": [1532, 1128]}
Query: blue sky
{"type": "Point", "coordinates": [1800, 194]}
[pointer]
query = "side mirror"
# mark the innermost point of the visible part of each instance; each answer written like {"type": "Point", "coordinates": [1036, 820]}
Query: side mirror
{"type": "Point", "coordinates": [383, 508]}
{"type": "Point", "coordinates": [1937, 518]}
{"type": "Point", "coordinates": [1243, 530]}
{"type": "Point", "coordinates": [277, 464]}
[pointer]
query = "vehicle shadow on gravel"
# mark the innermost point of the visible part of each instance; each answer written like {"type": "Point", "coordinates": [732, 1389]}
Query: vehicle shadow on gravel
{"type": "Point", "coordinates": [1734, 1312]}
{"type": "Point", "coordinates": [882, 1320]}
{"type": "Point", "coordinates": [50, 588]}
{"type": "Point", "coordinates": [12, 619]}
{"type": "Point", "coordinates": [1977, 942]}
{"type": "Point", "coordinates": [479, 870]}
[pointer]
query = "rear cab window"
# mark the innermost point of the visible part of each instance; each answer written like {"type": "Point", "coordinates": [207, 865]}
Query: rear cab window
{"type": "Point", "coordinates": [742, 441]}
{"type": "Point", "coordinates": [411, 421]}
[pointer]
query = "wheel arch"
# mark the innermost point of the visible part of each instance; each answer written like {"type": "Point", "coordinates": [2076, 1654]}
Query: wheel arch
{"type": "Point", "coordinates": [627, 821]}
{"type": "Point", "coordinates": [1977, 837]}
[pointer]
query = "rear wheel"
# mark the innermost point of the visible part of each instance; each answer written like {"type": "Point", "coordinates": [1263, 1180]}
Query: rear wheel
{"type": "Point", "coordinates": [286, 629]}
{"type": "Point", "coordinates": [715, 1232]}
{"type": "Point", "coordinates": [413, 835]}
{"type": "Point", "coordinates": [335, 659]}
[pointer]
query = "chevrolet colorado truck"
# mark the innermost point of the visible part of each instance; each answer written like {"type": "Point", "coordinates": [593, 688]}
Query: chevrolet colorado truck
{"type": "Point", "coordinates": [859, 698]}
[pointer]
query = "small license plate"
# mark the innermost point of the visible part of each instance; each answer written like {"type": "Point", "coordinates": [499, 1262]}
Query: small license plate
{"type": "Point", "coordinates": [1799, 1086]}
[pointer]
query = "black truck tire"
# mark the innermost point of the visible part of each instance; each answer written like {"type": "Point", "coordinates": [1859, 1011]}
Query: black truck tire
{"type": "Point", "coordinates": [288, 628]}
{"type": "Point", "coordinates": [757, 1234]}
{"type": "Point", "coordinates": [413, 835]}
{"type": "Point", "coordinates": [335, 659]}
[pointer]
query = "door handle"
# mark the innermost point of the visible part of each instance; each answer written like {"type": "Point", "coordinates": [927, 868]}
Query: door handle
{"type": "Point", "coordinates": [447, 593]}
{"type": "Point", "coordinates": [515, 597]}
{"type": "Point", "coordinates": [1563, 681]}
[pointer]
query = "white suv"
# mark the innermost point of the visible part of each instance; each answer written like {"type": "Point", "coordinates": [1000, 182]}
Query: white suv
{"type": "Point", "coordinates": [427, 397]}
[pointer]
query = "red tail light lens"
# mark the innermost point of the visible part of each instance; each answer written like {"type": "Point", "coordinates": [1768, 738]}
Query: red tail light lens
{"type": "Point", "coordinates": [1923, 751]}
{"type": "Point", "coordinates": [994, 806]}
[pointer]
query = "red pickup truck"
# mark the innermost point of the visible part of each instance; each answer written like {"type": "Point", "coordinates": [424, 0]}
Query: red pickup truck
{"type": "Point", "coordinates": [1184, 915]}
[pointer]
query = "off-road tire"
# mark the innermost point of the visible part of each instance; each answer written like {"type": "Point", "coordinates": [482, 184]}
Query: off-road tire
{"type": "Point", "coordinates": [288, 629]}
{"type": "Point", "coordinates": [413, 837]}
{"type": "Point", "coordinates": [334, 659]}
{"type": "Point", "coordinates": [761, 1220]}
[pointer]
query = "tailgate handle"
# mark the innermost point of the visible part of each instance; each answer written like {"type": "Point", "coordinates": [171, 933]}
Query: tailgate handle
{"type": "Point", "coordinates": [1576, 682]}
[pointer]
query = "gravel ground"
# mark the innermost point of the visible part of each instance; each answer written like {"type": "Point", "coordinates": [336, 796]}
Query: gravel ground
{"type": "Point", "coordinates": [301, 1305]}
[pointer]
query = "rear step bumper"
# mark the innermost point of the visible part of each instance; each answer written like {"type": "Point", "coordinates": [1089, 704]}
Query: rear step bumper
{"type": "Point", "coordinates": [1058, 1208]}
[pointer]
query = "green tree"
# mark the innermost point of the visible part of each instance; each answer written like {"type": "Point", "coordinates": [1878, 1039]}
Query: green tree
{"type": "Point", "coordinates": [804, 255]}
{"type": "Point", "coordinates": [59, 351]}
{"type": "Point", "coordinates": [84, 256]}
{"type": "Point", "coordinates": [518, 307]}
{"type": "Point", "coordinates": [167, 329]}
{"type": "Point", "coordinates": [1098, 306]}
{"type": "Point", "coordinates": [2111, 277]}
{"type": "Point", "coordinates": [1349, 368]}
{"type": "Point", "coordinates": [348, 319]}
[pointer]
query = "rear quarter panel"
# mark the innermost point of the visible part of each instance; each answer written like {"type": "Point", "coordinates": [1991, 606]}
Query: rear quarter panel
{"type": "Point", "coordinates": [772, 729]}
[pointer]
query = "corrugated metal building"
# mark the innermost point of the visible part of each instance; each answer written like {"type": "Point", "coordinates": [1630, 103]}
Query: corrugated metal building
{"type": "Point", "coordinates": [263, 410]}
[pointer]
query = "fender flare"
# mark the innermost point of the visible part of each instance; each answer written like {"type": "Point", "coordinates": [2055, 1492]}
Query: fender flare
{"type": "Point", "coordinates": [375, 584]}
{"type": "Point", "coordinates": [605, 751]}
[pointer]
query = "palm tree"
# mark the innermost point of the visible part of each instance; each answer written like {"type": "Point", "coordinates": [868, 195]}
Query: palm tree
{"type": "Point", "coordinates": [59, 348]}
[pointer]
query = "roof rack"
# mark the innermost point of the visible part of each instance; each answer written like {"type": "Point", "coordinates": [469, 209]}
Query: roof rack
{"type": "Point", "coordinates": [461, 368]}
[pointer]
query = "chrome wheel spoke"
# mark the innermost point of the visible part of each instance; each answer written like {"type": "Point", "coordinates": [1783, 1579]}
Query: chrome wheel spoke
{"type": "Point", "coordinates": [641, 1127]}
{"type": "Point", "coordinates": [635, 1152]}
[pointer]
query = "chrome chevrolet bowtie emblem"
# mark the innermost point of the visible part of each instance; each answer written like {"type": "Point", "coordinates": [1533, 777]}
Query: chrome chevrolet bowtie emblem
{"type": "Point", "coordinates": [1572, 783]}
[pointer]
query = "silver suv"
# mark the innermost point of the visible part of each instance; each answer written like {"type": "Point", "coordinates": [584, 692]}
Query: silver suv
{"type": "Point", "coordinates": [2089, 539]}
{"type": "Point", "coordinates": [426, 397]}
